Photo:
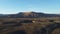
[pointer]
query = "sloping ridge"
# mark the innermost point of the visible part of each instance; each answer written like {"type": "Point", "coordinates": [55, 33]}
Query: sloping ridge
{"type": "Point", "coordinates": [29, 15]}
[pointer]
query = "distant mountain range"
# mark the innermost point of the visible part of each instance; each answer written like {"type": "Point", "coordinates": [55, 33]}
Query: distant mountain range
{"type": "Point", "coordinates": [28, 15]}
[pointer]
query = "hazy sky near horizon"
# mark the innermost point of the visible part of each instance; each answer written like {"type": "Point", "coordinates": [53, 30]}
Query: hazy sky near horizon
{"type": "Point", "coordinates": [15, 6]}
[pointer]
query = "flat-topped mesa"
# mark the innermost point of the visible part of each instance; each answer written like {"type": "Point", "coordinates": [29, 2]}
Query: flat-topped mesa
{"type": "Point", "coordinates": [32, 12]}
{"type": "Point", "coordinates": [26, 12]}
{"type": "Point", "coordinates": [29, 12]}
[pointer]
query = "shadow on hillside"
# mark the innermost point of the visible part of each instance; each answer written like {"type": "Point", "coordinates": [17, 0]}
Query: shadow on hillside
{"type": "Point", "coordinates": [17, 32]}
{"type": "Point", "coordinates": [50, 28]}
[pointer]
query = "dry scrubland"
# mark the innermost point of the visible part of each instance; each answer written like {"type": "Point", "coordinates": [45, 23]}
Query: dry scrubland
{"type": "Point", "coordinates": [37, 26]}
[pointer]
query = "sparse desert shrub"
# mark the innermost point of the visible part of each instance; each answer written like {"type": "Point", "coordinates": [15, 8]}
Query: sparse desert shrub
{"type": "Point", "coordinates": [26, 21]}
{"type": "Point", "coordinates": [51, 20]}
{"type": "Point", "coordinates": [10, 22]}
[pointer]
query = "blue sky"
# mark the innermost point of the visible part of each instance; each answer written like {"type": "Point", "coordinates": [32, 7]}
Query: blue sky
{"type": "Point", "coordinates": [15, 6]}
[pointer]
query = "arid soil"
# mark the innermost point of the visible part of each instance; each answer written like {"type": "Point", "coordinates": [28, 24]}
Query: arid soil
{"type": "Point", "coordinates": [29, 26]}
